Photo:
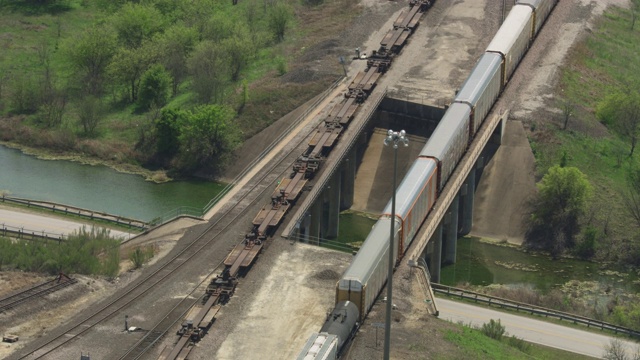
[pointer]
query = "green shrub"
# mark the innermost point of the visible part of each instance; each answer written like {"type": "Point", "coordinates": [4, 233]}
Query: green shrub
{"type": "Point", "coordinates": [493, 329]}
{"type": "Point", "coordinates": [155, 87]}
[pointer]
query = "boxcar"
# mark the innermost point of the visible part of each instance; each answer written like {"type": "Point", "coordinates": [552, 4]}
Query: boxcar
{"type": "Point", "coordinates": [367, 274]}
{"type": "Point", "coordinates": [541, 10]}
{"type": "Point", "coordinates": [449, 141]}
{"type": "Point", "coordinates": [482, 88]}
{"type": "Point", "coordinates": [414, 198]}
{"type": "Point", "coordinates": [512, 39]}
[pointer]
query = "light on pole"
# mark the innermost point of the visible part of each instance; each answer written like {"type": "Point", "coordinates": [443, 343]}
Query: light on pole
{"type": "Point", "coordinates": [393, 138]}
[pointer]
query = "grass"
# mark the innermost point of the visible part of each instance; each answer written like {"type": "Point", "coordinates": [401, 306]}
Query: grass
{"type": "Point", "coordinates": [606, 60]}
{"type": "Point", "coordinates": [473, 344]}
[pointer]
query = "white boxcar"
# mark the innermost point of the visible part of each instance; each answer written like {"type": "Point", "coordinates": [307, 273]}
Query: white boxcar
{"type": "Point", "coordinates": [512, 39]}
{"type": "Point", "coordinates": [320, 346]}
{"type": "Point", "coordinates": [482, 88]}
{"type": "Point", "coordinates": [449, 141]}
{"type": "Point", "coordinates": [364, 278]}
{"type": "Point", "coordinates": [541, 10]}
{"type": "Point", "coordinates": [414, 198]}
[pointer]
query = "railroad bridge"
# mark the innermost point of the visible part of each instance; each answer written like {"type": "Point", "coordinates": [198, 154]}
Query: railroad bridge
{"type": "Point", "coordinates": [413, 95]}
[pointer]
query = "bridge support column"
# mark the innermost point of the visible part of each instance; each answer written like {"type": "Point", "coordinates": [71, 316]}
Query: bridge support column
{"type": "Point", "coordinates": [436, 254]}
{"type": "Point", "coordinates": [467, 193]}
{"type": "Point", "coordinates": [498, 133]}
{"type": "Point", "coordinates": [451, 232]}
{"type": "Point", "coordinates": [348, 180]}
{"type": "Point", "coordinates": [315, 218]}
{"type": "Point", "coordinates": [333, 216]}
{"type": "Point", "coordinates": [303, 228]}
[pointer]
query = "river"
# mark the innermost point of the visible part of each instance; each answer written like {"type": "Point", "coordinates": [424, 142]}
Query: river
{"type": "Point", "coordinates": [98, 188]}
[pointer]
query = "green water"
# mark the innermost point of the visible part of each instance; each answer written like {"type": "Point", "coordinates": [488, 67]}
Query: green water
{"type": "Point", "coordinates": [482, 263]}
{"type": "Point", "coordinates": [98, 188]}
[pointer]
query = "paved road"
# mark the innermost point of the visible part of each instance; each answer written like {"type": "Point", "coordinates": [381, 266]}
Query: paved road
{"type": "Point", "coordinates": [532, 330]}
{"type": "Point", "coordinates": [31, 222]}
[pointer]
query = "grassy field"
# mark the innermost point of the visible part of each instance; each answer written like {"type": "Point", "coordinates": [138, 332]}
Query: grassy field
{"type": "Point", "coordinates": [608, 59]}
{"type": "Point", "coordinates": [473, 344]}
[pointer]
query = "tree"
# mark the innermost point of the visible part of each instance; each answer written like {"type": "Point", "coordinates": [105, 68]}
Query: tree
{"type": "Point", "coordinates": [567, 111]}
{"type": "Point", "coordinates": [136, 23]}
{"type": "Point", "coordinates": [210, 71]}
{"type": "Point", "coordinates": [167, 129]}
{"type": "Point", "coordinates": [238, 49]}
{"type": "Point", "coordinates": [90, 53]}
{"type": "Point", "coordinates": [621, 110]}
{"type": "Point", "coordinates": [90, 112]}
{"type": "Point", "coordinates": [207, 137]}
{"type": "Point", "coordinates": [175, 46]}
{"type": "Point", "coordinates": [128, 65]}
{"type": "Point", "coordinates": [279, 18]}
{"type": "Point", "coordinates": [563, 194]}
{"type": "Point", "coordinates": [154, 87]}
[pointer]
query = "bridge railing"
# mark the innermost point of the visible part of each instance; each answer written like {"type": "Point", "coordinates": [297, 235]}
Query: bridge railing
{"type": "Point", "coordinates": [532, 309]}
{"type": "Point", "coordinates": [26, 234]}
{"type": "Point", "coordinates": [76, 211]}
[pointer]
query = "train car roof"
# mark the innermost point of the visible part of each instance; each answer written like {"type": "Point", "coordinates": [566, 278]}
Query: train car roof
{"type": "Point", "coordinates": [370, 255]}
{"type": "Point", "coordinates": [512, 27]}
{"type": "Point", "coordinates": [441, 140]}
{"type": "Point", "coordinates": [534, 3]}
{"type": "Point", "coordinates": [481, 75]}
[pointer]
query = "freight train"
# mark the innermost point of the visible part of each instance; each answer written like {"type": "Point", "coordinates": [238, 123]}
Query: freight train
{"type": "Point", "coordinates": [240, 259]}
{"type": "Point", "coordinates": [363, 281]}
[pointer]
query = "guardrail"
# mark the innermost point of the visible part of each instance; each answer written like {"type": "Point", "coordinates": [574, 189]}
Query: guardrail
{"type": "Point", "coordinates": [71, 210]}
{"type": "Point", "coordinates": [26, 234]}
{"type": "Point", "coordinates": [532, 309]}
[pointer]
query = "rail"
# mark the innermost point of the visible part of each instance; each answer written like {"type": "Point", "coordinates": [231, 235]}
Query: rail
{"type": "Point", "coordinates": [453, 185]}
{"type": "Point", "coordinates": [365, 114]}
{"type": "Point", "coordinates": [12, 301]}
{"type": "Point", "coordinates": [532, 309]}
{"type": "Point", "coordinates": [76, 211]}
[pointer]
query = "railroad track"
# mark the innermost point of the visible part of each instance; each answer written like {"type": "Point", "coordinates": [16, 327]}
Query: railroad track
{"type": "Point", "coordinates": [37, 291]}
{"type": "Point", "coordinates": [164, 272]}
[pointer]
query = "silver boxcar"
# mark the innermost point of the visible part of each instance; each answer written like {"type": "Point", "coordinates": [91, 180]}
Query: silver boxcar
{"type": "Point", "coordinates": [482, 88]}
{"type": "Point", "coordinates": [449, 141]}
{"type": "Point", "coordinates": [367, 274]}
{"type": "Point", "coordinates": [320, 346]}
{"type": "Point", "coordinates": [414, 198]}
{"type": "Point", "coordinates": [541, 10]}
{"type": "Point", "coordinates": [512, 39]}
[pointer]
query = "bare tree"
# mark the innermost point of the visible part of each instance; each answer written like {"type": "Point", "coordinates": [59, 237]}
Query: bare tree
{"type": "Point", "coordinates": [567, 112]}
{"type": "Point", "coordinates": [615, 350]}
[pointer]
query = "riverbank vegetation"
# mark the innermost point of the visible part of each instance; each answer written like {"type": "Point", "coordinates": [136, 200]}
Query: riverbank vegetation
{"type": "Point", "coordinates": [130, 82]}
{"type": "Point", "coordinates": [595, 130]}
{"type": "Point", "coordinates": [87, 251]}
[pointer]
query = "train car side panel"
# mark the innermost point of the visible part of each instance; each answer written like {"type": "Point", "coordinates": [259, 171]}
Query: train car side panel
{"type": "Point", "coordinates": [413, 200]}
{"type": "Point", "coordinates": [482, 88]}
{"type": "Point", "coordinates": [541, 10]}
{"type": "Point", "coordinates": [449, 140]}
{"type": "Point", "coordinates": [512, 39]}
{"type": "Point", "coordinates": [367, 273]}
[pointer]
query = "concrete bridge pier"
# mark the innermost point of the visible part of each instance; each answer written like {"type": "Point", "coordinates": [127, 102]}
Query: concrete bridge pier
{"type": "Point", "coordinates": [467, 194]}
{"type": "Point", "coordinates": [498, 133]}
{"type": "Point", "coordinates": [433, 254]}
{"type": "Point", "coordinates": [332, 195]}
{"type": "Point", "coordinates": [315, 216]}
{"type": "Point", "coordinates": [348, 179]}
{"type": "Point", "coordinates": [450, 236]}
